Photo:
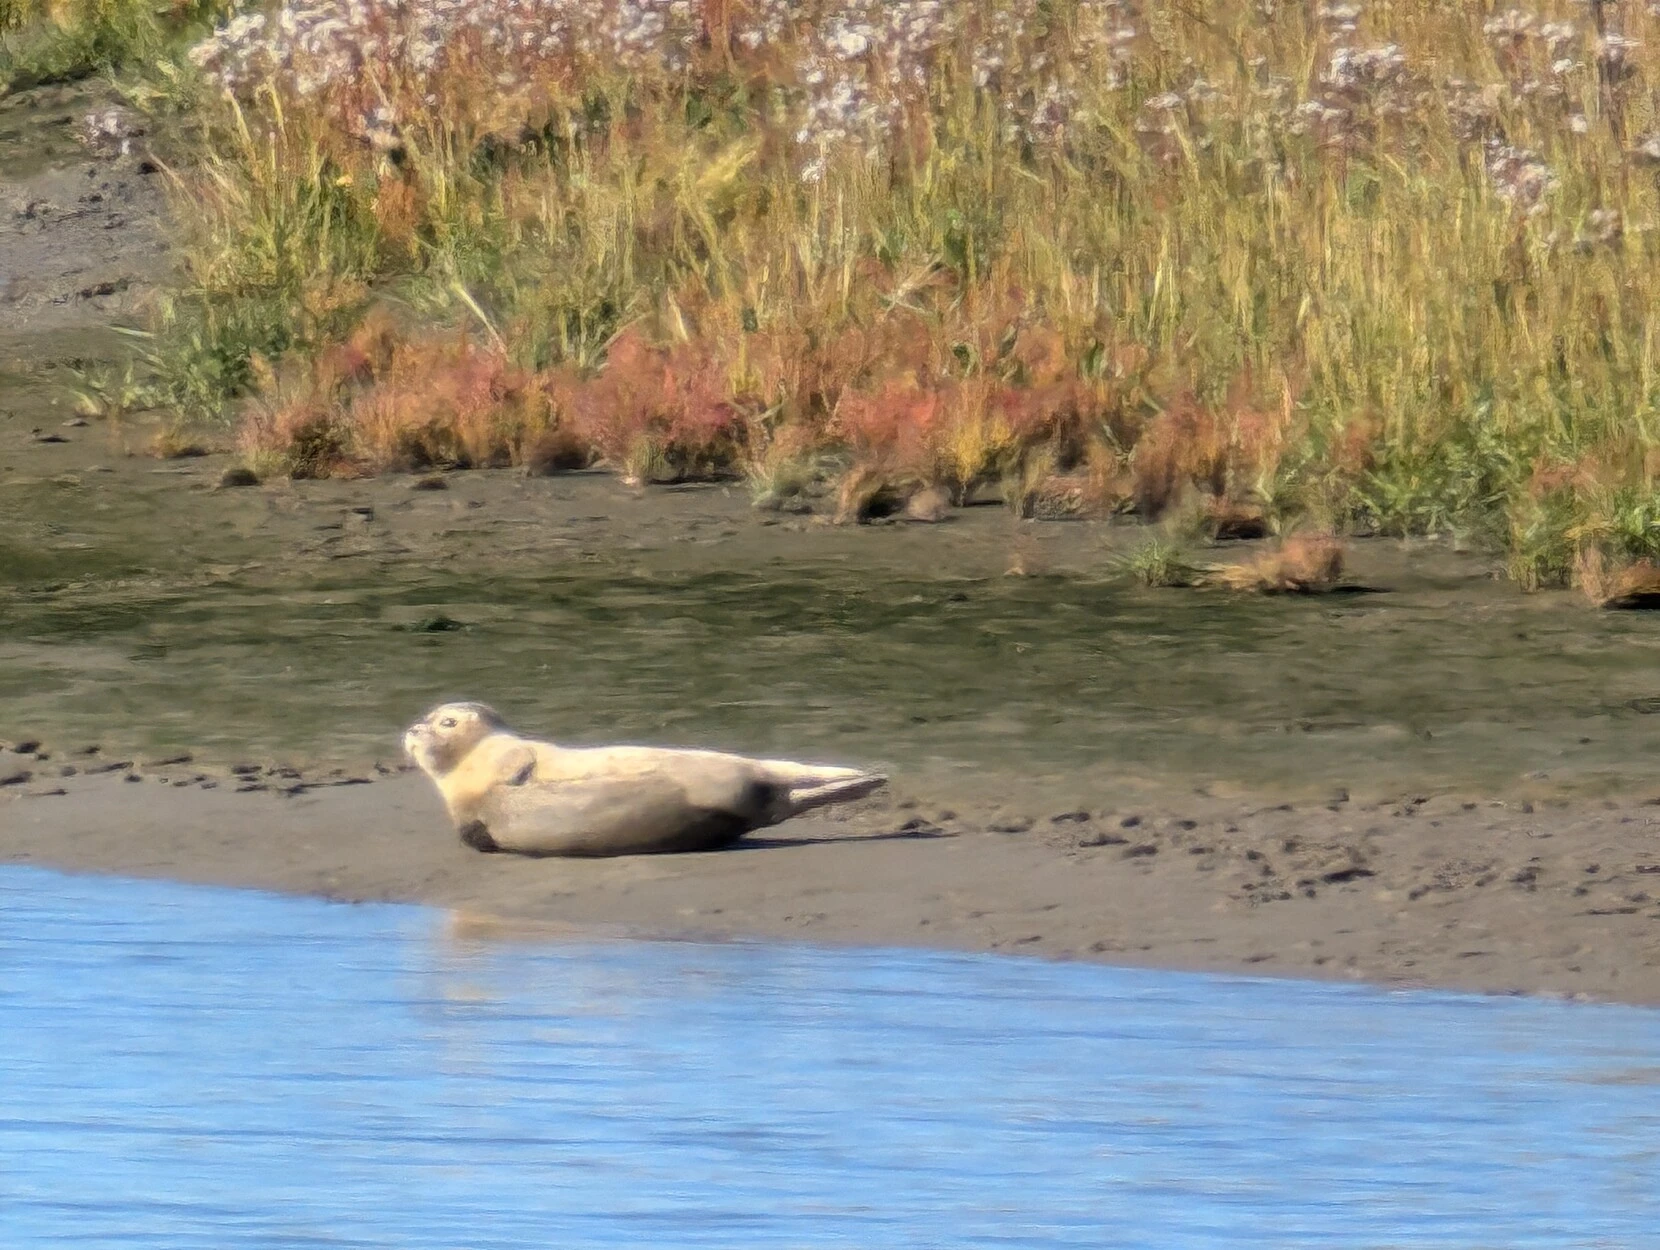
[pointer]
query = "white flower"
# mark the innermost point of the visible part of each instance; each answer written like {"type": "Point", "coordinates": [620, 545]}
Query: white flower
{"type": "Point", "coordinates": [849, 44]}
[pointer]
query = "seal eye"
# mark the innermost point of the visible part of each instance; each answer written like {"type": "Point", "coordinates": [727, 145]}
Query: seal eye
{"type": "Point", "coordinates": [447, 723]}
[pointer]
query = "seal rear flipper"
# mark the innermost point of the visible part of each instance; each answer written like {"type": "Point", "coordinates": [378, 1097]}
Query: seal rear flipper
{"type": "Point", "coordinates": [841, 790]}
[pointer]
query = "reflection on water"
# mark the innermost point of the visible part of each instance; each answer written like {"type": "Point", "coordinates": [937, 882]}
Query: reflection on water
{"type": "Point", "coordinates": [186, 1068]}
{"type": "Point", "coordinates": [1080, 681]}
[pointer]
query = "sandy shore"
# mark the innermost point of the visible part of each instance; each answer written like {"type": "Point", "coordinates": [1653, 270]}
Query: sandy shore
{"type": "Point", "coordinates": [1444, 892]}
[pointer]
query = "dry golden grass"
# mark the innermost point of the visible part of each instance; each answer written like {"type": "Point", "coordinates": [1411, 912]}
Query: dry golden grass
{"type": "Point", "coordinates": [1304, 564]}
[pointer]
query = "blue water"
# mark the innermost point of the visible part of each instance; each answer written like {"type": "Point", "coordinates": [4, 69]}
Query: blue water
{"type": "Point", "coordinates": [183, 1067]}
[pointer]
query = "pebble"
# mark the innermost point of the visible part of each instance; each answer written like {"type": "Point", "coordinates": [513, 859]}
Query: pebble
{"type": "Point", "coordinates": [1102, 839]}
{"type": "Point", "coordinates": [16, 778]}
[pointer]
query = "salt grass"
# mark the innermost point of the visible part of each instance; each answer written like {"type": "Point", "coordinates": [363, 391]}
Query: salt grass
{"type": "Point", "coordinates": [1378, 267]}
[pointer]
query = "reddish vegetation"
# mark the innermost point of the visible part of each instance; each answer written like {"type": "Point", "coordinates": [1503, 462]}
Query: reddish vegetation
{"type": "Point", "coordinates": [1304, 564]}
{"type": "Point", "coordinates": [379, 401]}
{"type": "Point", "coordinates": [897, 404]}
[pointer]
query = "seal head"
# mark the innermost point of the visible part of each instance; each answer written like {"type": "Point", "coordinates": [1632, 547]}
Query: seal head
{"type": "Point", "coordinates": [443, 737]}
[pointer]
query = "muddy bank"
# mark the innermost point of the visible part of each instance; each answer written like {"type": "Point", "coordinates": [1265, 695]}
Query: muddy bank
{"type": "Point", "coordinates": [1426, 891]}
{"type": "Point", "coordinates": [82, 239]}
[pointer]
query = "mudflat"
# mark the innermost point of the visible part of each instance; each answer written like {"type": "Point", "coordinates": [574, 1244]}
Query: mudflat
{"type": "Point", "coordinates": [1549, 898]}
{"type": "Point", "coordinates": [1434, 780]}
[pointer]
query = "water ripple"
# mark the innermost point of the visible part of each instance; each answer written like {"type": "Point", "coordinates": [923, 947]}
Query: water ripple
{"type": "Point", "coordinates": [187, 1068]}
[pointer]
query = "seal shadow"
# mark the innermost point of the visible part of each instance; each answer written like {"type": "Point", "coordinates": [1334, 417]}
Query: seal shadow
{"type": "Point", "coordinates": [896, 835]}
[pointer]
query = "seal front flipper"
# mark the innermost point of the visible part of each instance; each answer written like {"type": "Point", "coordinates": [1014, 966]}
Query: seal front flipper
{"type": "Point", "coordinates": [518, 766]}
{"type": "Point", "coordinates": [616, 816]}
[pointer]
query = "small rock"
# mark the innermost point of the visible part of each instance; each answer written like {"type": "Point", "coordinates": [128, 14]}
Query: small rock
{"type": "Point", "coordinates": [1102, 839]}
{"type": "Point", "coordinates": [916, 827]}
{"type": "Point", "coordinates": [76, 423]}
{"type": "Point", "coordinates": [1063, 818]}
{"type": "Point", "coordinates": [27, 747]}
{"type": "Point", "coordinates": [132, 777]}
{"type": "Point", "coordinates": [1143, 849]}
{"type": "Point", "coordinates": [1010, 824]}
{"type": "Point", "coordinates": [68, 770]}
{"type": "Point", "coordinates": [436, 624]}
{"type": "Point", "coordinates": [363, 513]}
{"type": "Point", "coordinates": [108, 766]}
{"type": "Point", "coordinates": [165, 761]}
{"type": "Point", "coordinates": [238, 475]}
{"type": "Point", "coordinates": [53, 792]}
{"type": "Point", "coordinates": [430, 482]}
{"type": "Point", "coordinates": [16, 778]}
{"type": "Point", "coordinates": [245, 770]}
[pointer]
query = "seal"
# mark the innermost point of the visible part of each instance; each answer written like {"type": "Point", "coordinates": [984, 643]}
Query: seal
{"type": "Point", "coordinates": [506, 792]}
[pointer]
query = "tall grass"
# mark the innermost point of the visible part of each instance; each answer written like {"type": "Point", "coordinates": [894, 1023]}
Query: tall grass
{"type": "Point", "coordinates": [1390, 267]}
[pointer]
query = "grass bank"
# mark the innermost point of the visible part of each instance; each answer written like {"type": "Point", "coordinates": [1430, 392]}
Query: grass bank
{"type": "Point", "coordinates": [1386, 268]}
{"type": "Point", "coordinates": [44, 41]}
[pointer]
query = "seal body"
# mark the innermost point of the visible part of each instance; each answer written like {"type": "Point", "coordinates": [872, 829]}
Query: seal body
{"type": "Point", "coordinates": [506, 792]}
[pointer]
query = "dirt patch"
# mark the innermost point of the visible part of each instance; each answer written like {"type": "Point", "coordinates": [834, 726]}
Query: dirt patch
{"type": "Point", "coordinates": [81, 234]}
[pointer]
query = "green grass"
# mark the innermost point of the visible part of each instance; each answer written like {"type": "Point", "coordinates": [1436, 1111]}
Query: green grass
{"type": "Point", "coordinates": [59, 42]}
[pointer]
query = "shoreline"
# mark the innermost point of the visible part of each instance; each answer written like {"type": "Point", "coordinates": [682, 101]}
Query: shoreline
{"type": "Point", "coordinates": [1425, 893]}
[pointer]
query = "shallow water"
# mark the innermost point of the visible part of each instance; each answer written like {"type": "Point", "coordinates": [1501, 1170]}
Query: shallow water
{"type": "Point", "coordinates": [186, 1067]}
